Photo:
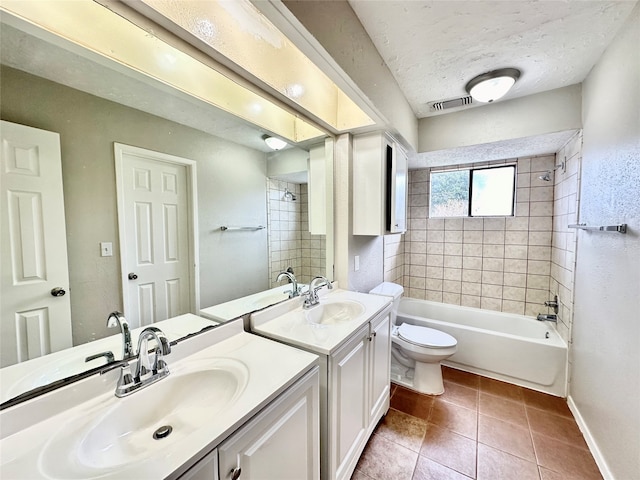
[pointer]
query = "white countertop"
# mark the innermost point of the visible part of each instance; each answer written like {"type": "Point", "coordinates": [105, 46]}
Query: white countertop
{"type": "Point", "coordinates": [271, 367]}
{"type": "Point", "coordinates": [226, 311]}
{"type": "Point", "coordinates": [286, 321]}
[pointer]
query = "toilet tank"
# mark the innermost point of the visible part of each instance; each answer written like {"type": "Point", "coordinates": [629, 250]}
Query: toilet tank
{"type": "Point", "coordinates": [393, 290]}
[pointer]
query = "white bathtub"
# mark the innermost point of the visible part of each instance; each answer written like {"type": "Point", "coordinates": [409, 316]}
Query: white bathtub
{"type": "Point", "coordinates": [508, 347]}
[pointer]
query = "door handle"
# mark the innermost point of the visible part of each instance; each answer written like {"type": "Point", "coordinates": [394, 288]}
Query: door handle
{"type": "Point", "coordinates": [58, 292]}
{"type": "Point", "coordinates": [133, 276]}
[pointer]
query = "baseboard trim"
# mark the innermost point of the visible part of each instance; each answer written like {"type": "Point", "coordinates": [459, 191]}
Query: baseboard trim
{"type": "Point", "coordinates": [591, 443]}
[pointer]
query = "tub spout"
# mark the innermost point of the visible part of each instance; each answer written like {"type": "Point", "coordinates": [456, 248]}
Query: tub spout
{"type": "Point", "coordinates": [548, 317]}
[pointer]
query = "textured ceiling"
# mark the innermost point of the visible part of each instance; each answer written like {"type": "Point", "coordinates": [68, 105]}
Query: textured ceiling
{"type": "Point", "coordinates": [433, 48]}
{"type": "Point", "coordinates": [517, 147]}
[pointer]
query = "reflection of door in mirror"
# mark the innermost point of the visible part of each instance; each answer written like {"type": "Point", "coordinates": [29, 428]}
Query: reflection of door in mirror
{"type": "Point", "coordinates": [154, 199]}
{"type": "Point", "coordinates": [35, 313]}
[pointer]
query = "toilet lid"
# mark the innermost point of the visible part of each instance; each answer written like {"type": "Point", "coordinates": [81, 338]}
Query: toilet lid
{"type": "Point", "coordinates": [428, 337]}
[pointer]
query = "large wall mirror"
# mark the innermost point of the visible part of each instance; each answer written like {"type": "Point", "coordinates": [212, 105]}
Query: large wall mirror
{"type": "Point", "coordinates": [249, 209]}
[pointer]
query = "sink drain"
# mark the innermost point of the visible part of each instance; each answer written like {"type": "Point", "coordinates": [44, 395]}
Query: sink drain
{"type": "Point", "coordinates": [162, 432]}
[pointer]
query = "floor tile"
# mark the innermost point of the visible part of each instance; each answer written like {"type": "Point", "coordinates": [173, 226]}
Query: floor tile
{"type": "Point", "coordinates": [460, 395]}
{"type": "Point", "coordinates": [455, 418]}
{"type": "Point", "coordinates": [358, 475]}
{"type": "Point", "coordinates": [497, 465]}
{"type": "Point", "coordinates": [546, 474]}
{"type": "Point", "coordinates": [546, 402]}
{"type": "Point", "coordinates": [501, 389]}
{"type": "Point", "coordinates": [506, 437]}
{"type": "Point", "coordinates": [450, 449]}
{"type": "Point", "coordinates": [466, 379]}
{"type": "Point", "coordinates": [503, 409]}
{"type": "Point", "coordinates": [412, 403]}
{"type": "Point", "coordinates": [403, 429]}
{"type": "Point", "coordinates": [383, 459]}
{"type": "Point", "coordinates": [429, 470]}
{"type": "Point", "coordinates": [565, 459]}
{"type": "Point", "coordinates": [555, 426]}
{"type": "Point", "coordinates": [479, 428]}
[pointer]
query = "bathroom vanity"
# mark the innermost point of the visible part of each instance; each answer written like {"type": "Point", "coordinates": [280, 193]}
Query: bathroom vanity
{"type": "Point", "coordinates": [350, 332]}
{"type": "Point", "coordinates": [234, 402]}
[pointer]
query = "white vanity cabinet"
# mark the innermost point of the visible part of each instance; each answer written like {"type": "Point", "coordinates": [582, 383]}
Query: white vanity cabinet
{"type": "Point", "coordinates": [358, 379]}
{"type": "Point", "coordinates": [354, 370]}
{"type": "Point", "coordinates": [205, 469]}
{"type": "Point", "coordinates": [281, 442]}
{"type": "Point", "coordinates": [379, 185]}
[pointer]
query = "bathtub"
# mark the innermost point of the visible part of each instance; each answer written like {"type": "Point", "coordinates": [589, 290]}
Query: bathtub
{"type": "Point", "coordinates": [512, 348]}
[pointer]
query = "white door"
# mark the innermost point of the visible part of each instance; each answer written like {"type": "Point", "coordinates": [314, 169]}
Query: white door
{"type": "Point", "coordinates": [35, 310]}
{"type": "Point", "coordinates": [155, 230]}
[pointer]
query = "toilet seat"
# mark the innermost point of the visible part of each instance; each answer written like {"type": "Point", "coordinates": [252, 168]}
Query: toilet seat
{"type": "Point", "coordinates": [425, 336]}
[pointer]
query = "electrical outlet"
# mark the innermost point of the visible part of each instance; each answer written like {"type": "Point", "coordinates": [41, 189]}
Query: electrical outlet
{"type": "Point", "coordinates": [356, 263]}
{"type": "Point", "coordinates": [106, 249]}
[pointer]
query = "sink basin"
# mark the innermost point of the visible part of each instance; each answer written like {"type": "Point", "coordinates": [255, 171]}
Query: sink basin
{"type": "Point", "coordinates": [120, 431]}
{"type": "Point", "coordinates": [333, 313]}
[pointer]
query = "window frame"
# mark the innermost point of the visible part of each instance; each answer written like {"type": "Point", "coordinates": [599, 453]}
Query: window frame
{"type": "Point", "coordinates": [470, 190]}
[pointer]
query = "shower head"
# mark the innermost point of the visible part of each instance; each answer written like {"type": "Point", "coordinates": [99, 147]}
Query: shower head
{"type": "Point", "coordinates": [290, 195]}
{"type": "Point", "coordinates": [546, 177]}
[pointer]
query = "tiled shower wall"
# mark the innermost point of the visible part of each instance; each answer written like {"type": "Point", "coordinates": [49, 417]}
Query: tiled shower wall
{"type": "Point", "coordinates": [497, 263]}
{"type": "Point", "coordinates": [563, 249]}
{"type": "Point", "coordinates": [289, 241]}
{"type": "Point", "coordinates": [394, 258]}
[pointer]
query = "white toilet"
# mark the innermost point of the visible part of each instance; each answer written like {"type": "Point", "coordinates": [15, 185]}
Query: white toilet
{"type": "Point", "coordinates": [418, 348]}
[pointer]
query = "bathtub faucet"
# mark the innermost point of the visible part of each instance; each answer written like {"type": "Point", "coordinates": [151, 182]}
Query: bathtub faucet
{"type": "Point", "coordinates": [548, 317]}
{"type": "Point", "coordinates": [553, 304]}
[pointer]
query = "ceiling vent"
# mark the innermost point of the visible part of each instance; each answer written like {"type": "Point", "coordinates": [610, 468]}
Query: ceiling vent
{"type": "Point", "coordinates": [453, 103]}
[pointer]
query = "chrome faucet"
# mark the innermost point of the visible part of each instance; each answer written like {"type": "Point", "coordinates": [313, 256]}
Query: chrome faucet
{"type": "Point", "coordinates": [116, 319]}
{"type": "Point", "coordinates": [147, 372]}
{"type": "Point", "coordinates": [294, 283]}
{"type": "Point", "coordinates": [145, 369]}
{"type": "Point", "coordinates": [312, 295]}
{"type": "Point", "coordinates": [553, 304]}
{"type": "Point", "coordinates": [549, 317]}
{"type": "Point", "coordinates": [109, 357]}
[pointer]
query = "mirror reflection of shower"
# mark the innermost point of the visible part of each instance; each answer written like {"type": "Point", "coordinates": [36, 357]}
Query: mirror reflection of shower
{"type": "Point", "coordinates": [289, 195]}
{"type": "Point", "coordinates": [546, 176]}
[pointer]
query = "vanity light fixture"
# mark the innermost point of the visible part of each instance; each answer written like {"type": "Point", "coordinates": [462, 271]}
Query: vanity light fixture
{"type": "Point", "coordinates": [492, 85]}
{"type": "Point", "coordinates": [274, 143]}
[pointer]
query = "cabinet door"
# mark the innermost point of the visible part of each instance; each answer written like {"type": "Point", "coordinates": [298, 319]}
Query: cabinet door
{"type": "Point", "coordinates": [205, 469]}
{"type": "Point", "coordinates": [397, 182]}
{"type": "Point", "coordinates": [349, 410]}
{"type": "Point", "coordinates": [380, 358]}
{"type": "Point", "coordinates": [282, 442]}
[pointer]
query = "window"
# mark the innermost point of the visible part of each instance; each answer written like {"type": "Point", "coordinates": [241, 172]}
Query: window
{"type": "Point", "coordinates": [477, 192]}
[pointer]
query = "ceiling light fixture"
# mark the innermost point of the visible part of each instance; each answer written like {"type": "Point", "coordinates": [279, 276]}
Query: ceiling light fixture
{"type": "Point", "coordinates": [274, 143]}
{"type": "Point", "coordinates": [493, 85]}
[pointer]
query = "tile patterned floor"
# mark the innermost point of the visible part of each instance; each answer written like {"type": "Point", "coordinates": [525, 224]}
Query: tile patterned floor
{"type": "Point", "coordinates": [479, 428]}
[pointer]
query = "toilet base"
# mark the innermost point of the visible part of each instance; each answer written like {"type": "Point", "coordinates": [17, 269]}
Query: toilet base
{"type": "Point", "coordinates": [401, 375]}
{"type": "Point", "coordinates": [427, 378]}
